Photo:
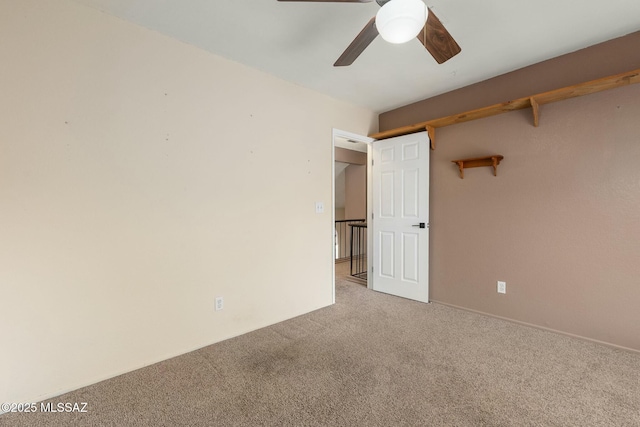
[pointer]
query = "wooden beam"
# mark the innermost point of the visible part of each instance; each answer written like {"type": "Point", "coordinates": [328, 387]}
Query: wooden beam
{"type": "Point", "coordinates": [587, 88]}
{"type": "Point", "coordinates": [481, 113]}
{"type": "Point", "coordinates": [593, 86]}
{"type": "Point", "coordinates": [405, 130]}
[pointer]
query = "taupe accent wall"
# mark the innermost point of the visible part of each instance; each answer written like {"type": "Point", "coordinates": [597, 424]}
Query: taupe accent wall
{"type": "Point", "coordinates": [350, 156]}
{"type": "Point", "coordinates": [355, 206]}
{"type": "Point", "coordinates": [605, 59]}
{"type": "Point", "coordinates": [560, 224]}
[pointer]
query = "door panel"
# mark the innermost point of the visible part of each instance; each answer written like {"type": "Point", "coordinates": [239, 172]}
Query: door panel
{"type": "Point", "coordinates": [410, 243]}
{"type": "Point", "coordinates": [410, 187]}
{"type": "Point", "coordinates": [410, 151]}
{"type": "Point", "coordinates": [387, 258]}
{"type": "Point", "coordinates": [387, 196]}
{"type": "Point", "coordinates": [400, 196]}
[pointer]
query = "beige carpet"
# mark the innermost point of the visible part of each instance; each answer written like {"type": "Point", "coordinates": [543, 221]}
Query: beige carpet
{"type": "Point", "coordinates": [372, 360]}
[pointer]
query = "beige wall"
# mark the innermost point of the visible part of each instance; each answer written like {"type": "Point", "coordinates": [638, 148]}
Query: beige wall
{"type": "Point", "coordinates": [139, 179]}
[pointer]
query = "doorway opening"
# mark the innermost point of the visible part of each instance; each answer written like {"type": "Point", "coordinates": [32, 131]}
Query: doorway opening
{"type": "Point", "coordinates": [350, 207]}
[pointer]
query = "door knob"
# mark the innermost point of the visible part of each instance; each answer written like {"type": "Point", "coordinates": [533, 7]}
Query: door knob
{"type": "Point", "coordinates": [421, 225]}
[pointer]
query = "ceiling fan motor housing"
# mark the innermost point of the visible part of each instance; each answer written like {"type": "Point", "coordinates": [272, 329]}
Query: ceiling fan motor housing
{"type": "Point", "coordinates": [399, 21]}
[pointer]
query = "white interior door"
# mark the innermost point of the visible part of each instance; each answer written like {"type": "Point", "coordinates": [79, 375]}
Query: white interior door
{"type": "Point", "coordinates": [400, 193]}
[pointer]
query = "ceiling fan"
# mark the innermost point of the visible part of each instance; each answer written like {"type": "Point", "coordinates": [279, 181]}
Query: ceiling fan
{"type": "Point", "coordinates": [432, 34]}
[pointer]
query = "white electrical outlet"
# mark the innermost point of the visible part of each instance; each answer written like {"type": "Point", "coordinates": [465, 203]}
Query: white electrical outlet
{"type": "Point", "coordinates": [502, 287]}
{"type": "Point", "coordinates": [219, 303]}
{"type": "Point", "coordinates": [319, 207]}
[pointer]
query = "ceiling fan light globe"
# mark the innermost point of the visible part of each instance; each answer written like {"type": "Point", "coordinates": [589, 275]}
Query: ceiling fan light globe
{"type": "Point", "coordinates": [399, 21]}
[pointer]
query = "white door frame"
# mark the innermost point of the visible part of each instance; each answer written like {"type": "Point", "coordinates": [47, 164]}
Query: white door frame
{"type": "Point", "coordinates": [337, 133]}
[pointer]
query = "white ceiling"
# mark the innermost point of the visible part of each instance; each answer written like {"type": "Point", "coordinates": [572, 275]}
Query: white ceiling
{"type": "Point", "coordinates": [299, 42]}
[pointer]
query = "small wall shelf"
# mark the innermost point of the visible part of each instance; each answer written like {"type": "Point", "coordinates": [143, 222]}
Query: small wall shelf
{"type": "Point", "coordinates": [478, 162]}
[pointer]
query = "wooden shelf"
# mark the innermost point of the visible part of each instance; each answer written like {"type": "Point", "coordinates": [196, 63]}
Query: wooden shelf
{"type": "Point", "coordinates": [478, 162]}
{"type": "Point", "coordinates": [534, 102]}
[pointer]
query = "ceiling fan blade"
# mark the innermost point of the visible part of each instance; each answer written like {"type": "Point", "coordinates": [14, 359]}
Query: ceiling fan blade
{"type": "Point", "coordinates": [331, 1]}
{"type": "Point", "coordinates": [435, 37]}
{"type": "Point", "coordinates": [359, 44]}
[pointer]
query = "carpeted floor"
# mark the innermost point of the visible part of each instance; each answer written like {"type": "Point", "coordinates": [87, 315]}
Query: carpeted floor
{"type": "Point", "coordinates": [372, 360]}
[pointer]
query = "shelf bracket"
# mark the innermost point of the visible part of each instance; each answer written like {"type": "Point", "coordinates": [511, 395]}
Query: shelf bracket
{"type": "Point", "coordinates": [536, 111]}
{"type": "Point", "coordinates": [432, 135]}
{"type": "Point", "coordinates": [461, 167]}
{"type": "Point", "coordinates": [495, 165]}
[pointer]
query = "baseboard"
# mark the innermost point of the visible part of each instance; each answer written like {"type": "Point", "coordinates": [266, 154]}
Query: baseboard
{"type": "Point", "coordinates": [46, 396]}
{"type": "Point", "coordinates": [98, 379]}
{"type": "Point", "coordinates": [544, 328]}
